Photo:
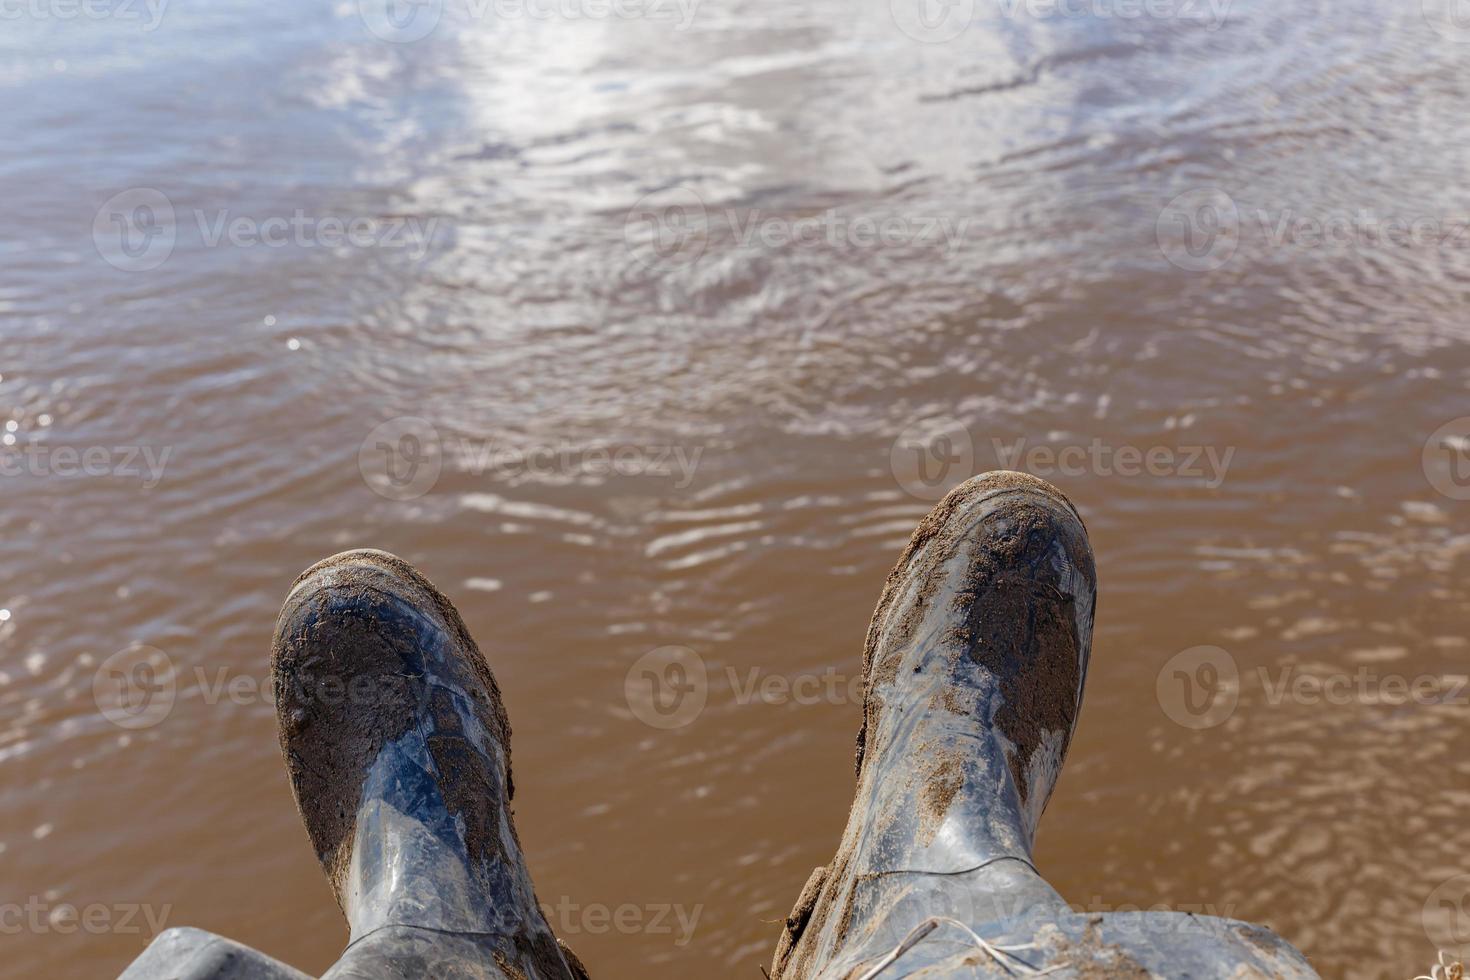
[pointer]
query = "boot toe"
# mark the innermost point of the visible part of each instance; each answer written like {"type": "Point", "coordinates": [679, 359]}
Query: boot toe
{"type": "Point", "coordinates": [988, 616]}
{"type": "Point", "coordinates": [1001, 555]}
{"type": "Point", "coordinates": [366, 650]}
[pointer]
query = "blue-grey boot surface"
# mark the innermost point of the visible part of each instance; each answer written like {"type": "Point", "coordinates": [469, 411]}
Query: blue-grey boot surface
{"type": "Point", "coordinates": [397, 747]}
{"type": "Point", "coordinates": [398, 751]}
{"type": "Point", "coordinates": [974, 669]}
{"type": "Point", "coordinates": [193, 954]}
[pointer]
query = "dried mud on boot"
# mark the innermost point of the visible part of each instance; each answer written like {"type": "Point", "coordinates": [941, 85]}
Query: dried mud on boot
{"type": "Point", "coordinates": [1030, 645]}
{"type": "Point", "coordinates": [329, 743]}
{"type": "Point", "coordinates": [1028, 640]}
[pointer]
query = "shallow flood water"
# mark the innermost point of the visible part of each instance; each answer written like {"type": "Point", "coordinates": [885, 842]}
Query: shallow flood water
{"type": "Point", "coordinates": [679, 318]}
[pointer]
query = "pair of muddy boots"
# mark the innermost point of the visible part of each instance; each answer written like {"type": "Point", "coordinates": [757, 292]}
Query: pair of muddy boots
{"type": "Point", "coordinates": [397, 747]}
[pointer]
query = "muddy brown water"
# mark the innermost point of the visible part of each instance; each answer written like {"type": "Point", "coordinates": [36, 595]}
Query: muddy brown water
{"type": "Point", "coordinates": [698, 314]}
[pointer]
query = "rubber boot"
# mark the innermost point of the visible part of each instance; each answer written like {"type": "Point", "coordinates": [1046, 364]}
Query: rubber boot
{"type": "Point", "coordinates": [183, 953]}
{"type": "Point", "coordinates": [398, 751]}
{"type": "Point", "coordinates": [974, 669]}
